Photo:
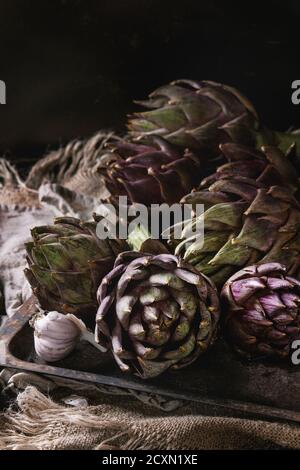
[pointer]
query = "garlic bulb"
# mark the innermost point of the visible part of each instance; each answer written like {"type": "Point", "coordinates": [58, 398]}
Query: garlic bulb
{"type": "Point", "coordinates": [56, 335]}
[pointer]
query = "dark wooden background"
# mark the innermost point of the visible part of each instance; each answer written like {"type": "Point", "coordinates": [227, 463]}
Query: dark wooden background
{"type": "Point", "coordinates": [74, 66]}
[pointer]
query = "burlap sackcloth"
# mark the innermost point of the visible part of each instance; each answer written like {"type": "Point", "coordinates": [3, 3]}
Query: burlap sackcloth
{"type": "Point", "coordinates": [117, 422]}
{"type": "Point", "coordinates": [53, 414]}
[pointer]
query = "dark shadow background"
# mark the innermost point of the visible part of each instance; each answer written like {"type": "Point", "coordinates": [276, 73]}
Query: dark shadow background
{"type": "Point", "coordinates": [74, 66]}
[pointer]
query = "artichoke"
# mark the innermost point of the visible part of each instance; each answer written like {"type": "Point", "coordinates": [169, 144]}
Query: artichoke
{"type": "Point", "coordinates": [263, 311]}
{"type": "Point", "coordinates": [203, 114]}
{"type": "Point", "coordinates": [156, 313]}
{"type": "Point", "coordinates": [251, 215]}
{"type": "Point", "coordinates": [67, 262]}
{"type": "Point", "coordinates": [151, 174]}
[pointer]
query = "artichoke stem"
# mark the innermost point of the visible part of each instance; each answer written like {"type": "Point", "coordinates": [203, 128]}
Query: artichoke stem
{"type": "Point", "coordinates": [86, 335]}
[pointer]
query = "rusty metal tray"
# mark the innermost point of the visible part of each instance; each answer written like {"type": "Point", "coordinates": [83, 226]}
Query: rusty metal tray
{"type": "Point", "coordinates": [220, 379]}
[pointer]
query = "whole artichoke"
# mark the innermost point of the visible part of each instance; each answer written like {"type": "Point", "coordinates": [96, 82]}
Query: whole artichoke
{"type": "Point", "coordinates": [263, 311]}
{"type": "Point", "coordinates": [156, 313]}
{"type": "Point", "coordinates": [151, 174]}
{"type": "Point", "coordinates": [251, 215]}
{"type": "Point", "coordinates": [67, 262]}
{"type": "Point", "coordinates": [203, 114]}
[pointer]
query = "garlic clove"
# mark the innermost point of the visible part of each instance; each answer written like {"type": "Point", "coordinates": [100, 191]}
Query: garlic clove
{"type": "Point", "coordinates": [56, 335]}
{"type": "Point", "coordinates": [56, 326]}
{"type": "Point", "coordinates": [52, 353]}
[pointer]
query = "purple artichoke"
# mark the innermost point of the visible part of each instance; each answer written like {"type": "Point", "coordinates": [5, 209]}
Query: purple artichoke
{"type": "Point", "coordinates": [151, 174]}
{"type": "Point", "coordinates": [196, 114]}
{"type": "Point", "coordinates": [200, 115]}
{"type": "Point", "coordinates": [263, 311]}
{"type": "Point", "coordinates": [156, 313]}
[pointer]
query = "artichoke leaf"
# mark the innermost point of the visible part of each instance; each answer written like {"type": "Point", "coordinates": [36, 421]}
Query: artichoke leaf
{"type": "Point", "coordinates": [152, 294]}
{"type": "Point", "coordinates": [124, 306]}
{"type": "Point", "coordinates": [149, 369]}
{"type": "Point", "coordinates": [187, 302]}
{"type": "Point", "coordinates": [166, 278]}
{"type": "Point", "coordinates": [183, 350]}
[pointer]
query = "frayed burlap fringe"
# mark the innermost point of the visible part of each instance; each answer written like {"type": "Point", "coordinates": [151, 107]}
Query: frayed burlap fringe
{"type": "Point", "coordinates": [13, 191]}
{"type": "Point", "coordinates": [40, 422]}
{"type": "Point", "coordinates": [116, 423]}
{"type": "Point", "coordinates": [76, 165]}
{"type": "Point", "coordinates": [9, 175]}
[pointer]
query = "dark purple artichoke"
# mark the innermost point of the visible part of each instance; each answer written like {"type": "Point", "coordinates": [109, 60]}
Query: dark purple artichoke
{"type": "Point", "coordinates": [151, 174]}
{"type": "Point", "coordinates": [156, 313]}
{"type": "Point", "coordinates": [263, 311]}
{"type": "Point", "coordinates": [200, 115]}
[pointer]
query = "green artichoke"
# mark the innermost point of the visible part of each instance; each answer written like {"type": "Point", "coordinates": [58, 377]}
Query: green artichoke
{"type": "Point", "coordinates": [251, 215]}
{"type": "Point", "coordinates": [263, 311]}
{"type": "Point", "coordinates": [155, 313]}
{"type": "Point", "coordinates": [151, 174]}
{"type": "Point", "coordinates": [67, 262]}
{"type": "Point", "coordinates": [200, 115]}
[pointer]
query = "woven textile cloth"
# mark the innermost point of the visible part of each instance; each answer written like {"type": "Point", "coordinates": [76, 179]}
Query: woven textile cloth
{"type": "Point", "coordinates": [55, 415]}
{"type": "Point", "coordinates": [117, 422]}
